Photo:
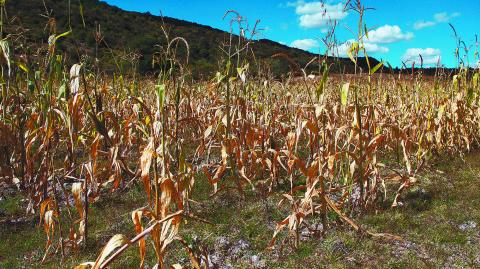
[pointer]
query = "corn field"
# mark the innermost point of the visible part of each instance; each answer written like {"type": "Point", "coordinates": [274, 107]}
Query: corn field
{"type": "Point", "coordinates": [70, 134]}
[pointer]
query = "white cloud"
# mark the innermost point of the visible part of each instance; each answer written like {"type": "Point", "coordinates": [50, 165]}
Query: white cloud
{"type": "Point", "coordinates": [319, 7]}
{"type": "Point", "coordinates": [341, 50]}
{"type": "Point", "coordinates": [445, 17]}
{"type": "Point", "coordinates": [370, 47]}
{"type": "Point", "coordinates": [318, 14]}
{"type": "Point", "coordinates": [423, 24]}
{"type": "Point", "coordinates": [442, 17]}
{"type": "Point", "coordinates": [294, 4]}
{"type": "Point", "coordinates": [388, 34]}
{"type": "Point", "coordinates": [375, 48]}
{"type": "Point", "coordinates": [305, 44]}
{"type": "Point", "coordinates": [430, 56]}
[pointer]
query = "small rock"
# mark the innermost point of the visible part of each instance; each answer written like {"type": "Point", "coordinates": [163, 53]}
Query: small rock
{"type": "Point", "coordinates": [304, 234]}
{"type": "Point", "coordinates": [340, 247]}
{"type": "Point", "coordinates": [257, 262]}
{"type": "Point", "coordinates": [469, 225]}
{"type": "Point", "coordinates": [477, 260]}
{"type": "Point", "coordinates": [473, 240]}
{"type": "Point", "coordinates": [355, 194]}
{"type": "Point", "coordinates": [307, 233]}
{"type": "Point", "coordinates": [222, 242]}
{"type": "Point", "coordinates": [403, 247]}
{"type": "Point", "coordinates": [240, 246]}
{"type": "Point", "coordinates": [215, 259]}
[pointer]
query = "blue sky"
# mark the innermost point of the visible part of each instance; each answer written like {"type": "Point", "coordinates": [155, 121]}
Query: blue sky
{"type": "Point", "coordinates": [399, 29]}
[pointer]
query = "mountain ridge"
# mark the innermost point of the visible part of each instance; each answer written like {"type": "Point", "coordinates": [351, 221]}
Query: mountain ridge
{"type": "Point", "coordinates": [138, 33]}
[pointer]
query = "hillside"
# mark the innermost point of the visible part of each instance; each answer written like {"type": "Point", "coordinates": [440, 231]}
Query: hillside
{"type": "Point", "coordinates": [133, 33]}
